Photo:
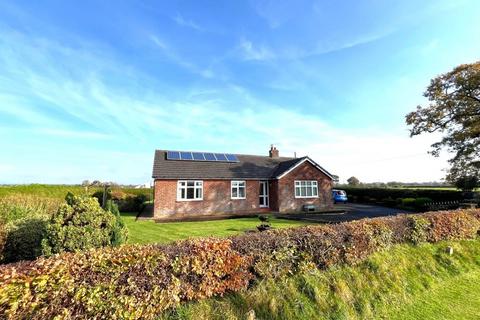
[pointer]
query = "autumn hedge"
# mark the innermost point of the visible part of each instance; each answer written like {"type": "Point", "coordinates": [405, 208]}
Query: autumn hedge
{"type": "Point", "coordinates": [139, 282]}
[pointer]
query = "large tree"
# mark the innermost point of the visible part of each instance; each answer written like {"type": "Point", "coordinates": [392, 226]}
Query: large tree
{"type": "Point", "coordinates": [454, 111]}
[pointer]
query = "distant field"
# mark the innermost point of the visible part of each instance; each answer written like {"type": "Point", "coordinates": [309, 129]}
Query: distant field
{"type": "Point", "coordinates": [59, 191]}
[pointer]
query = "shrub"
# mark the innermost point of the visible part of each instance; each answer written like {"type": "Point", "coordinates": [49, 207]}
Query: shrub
{"type": "Point", "coordinates": [452, 225]}
{"type": "Point", "coordinates": [24, 239]}
{"type": "Point", "coordinates": [408, 202]}
{"type": "Point", "coordinates": [139, 282]}
{"type": "Point", "coordinates": [18, 206]}
{"type": "Point", "coordinates": [418, 229]}
{"type": "Point", "coordinates": [131, 282]}
{"type": "Point", "coordinates": [78, 225]}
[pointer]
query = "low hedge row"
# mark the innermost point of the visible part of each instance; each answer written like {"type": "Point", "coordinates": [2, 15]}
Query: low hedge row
{"type": "Point", "coordinates": [139, 282]}
{"type": "Point", "coordinates": [362, 194]}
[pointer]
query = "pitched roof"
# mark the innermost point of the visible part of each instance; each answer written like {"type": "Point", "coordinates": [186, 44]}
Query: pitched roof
{"type": "Point", "coordinates": [248, 167]}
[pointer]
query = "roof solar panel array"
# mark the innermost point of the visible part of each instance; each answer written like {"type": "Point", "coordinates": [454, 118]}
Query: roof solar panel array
{"type": "Point", "coordinates": [201, 156]}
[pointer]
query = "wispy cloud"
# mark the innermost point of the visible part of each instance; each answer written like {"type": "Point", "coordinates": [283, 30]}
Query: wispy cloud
{"type": "Point", "coordinates": [171, 54]}
{"type": "Point", "coordinates": [249, 51]}
{"type": "Point", "coordinates": [181, 21]}
{"type": "Point", "coordinates": [74, 134]}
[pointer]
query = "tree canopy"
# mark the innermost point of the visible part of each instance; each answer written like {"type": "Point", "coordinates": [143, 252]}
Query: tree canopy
{"type": "Point", "coordinates": [454, 111]}
{"type": "Point", "coordinates": [353, 181]}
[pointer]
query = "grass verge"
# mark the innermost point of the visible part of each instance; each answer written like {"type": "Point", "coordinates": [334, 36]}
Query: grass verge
{"type": "Point", "coordinates": [404, 282]}
{"type": "Point", "coordinates": [147, 231]}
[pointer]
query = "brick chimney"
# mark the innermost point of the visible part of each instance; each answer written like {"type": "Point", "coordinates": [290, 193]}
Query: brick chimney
{"type": "Point", "coordinates": [273, 153]}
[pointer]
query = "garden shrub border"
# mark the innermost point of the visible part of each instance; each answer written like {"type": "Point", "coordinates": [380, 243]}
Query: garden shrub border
{"type": "Point", "coordinates": [139, 282]}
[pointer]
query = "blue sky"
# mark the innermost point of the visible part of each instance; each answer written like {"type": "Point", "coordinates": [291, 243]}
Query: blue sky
{"type": "Point", "coordinates": [88, 90]}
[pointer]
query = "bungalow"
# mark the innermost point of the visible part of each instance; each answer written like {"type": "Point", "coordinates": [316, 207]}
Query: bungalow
{"type": "Point", "coordinates": [190, 184]}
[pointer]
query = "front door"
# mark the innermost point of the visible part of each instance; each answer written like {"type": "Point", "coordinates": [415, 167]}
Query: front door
{"type": "Point", "coordinates": [263, 194]}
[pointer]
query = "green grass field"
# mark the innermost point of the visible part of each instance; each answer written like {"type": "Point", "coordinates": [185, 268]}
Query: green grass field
{"type": "Point", "coordinates": [147, 231]}
{"type": "Point", "coordinates": [403, 282]}
{"type": "Point", "coordinates": [59, 191]}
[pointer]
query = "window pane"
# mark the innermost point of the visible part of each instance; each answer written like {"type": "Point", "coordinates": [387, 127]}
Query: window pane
{"type": "Point", "coordinates": [297, 191]}
{"type": "Point", "coordinates": [315, 191]}
{"type": "Point", "coordinates": [234, 192]}
{"type": "Point", "coordinates": [241, 192]}
{"type": "Point", "coordinates": [198, 183]}
{"type": "Point", "coordinates": [182, 183]}
{"type": "Point", "coordinates": [190, 183]}
{"type": "Point", "coordinates": [309, 192]}
{"type": "Point", "coordinates": [190, 193]}
{"type": "Point", "coordinates": [241, 183]}
{"type": "Point", "coordinates": [198, 193]}
{"type": "Point", "coordinates": [262, 201]}
{"type": "Point", "coordinates": [303, 191]}
{"type": "Point", "coordinates": [182, 193]}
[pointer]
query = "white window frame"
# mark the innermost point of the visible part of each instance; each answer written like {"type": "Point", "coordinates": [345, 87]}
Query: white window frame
{"type": "Point", "coordinates": [197, 185]}
{"type": "Point", "coordinates": [307, 184]}
{"type": "Point", "coordinates": [235, 184]}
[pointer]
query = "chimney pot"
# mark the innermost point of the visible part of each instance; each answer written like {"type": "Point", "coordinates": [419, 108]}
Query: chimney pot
{"type": "Point", "coordinates": [273, 153]}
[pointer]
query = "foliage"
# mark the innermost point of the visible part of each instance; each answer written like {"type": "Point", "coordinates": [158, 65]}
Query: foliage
{"type": "Point", "coordinates": [131, 282]}
{"type": "Point", "coordinates": [142, 281]}
{"type": "Point", "coordinates": [78, 225]}
{"type": "Point", "coordinates": [454, 110]}
{"type": "Point", "coordinates": [59, 191]}
{"type": "Point", "coordinates": [24, 239]}
{"type": "Point", "coordinates": [126, 202]}
{"type": "Point", "coordinates": [467, 183]}
{"type": "Point", "coordinates": [386, 196]}
{"type": "Point", "coordinates": [18, 206]}
{"type": "Point", "coordinates": [405, 282]}
{"type": "Point", "coordinates": [353, 181]}
{"type": "Point", "coordinates": [418, 229]}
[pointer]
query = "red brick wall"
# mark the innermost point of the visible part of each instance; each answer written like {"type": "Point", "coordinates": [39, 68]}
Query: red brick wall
{"type": "Point", "coordinates": [216, 196]}
{"type": "Point", "coordinates": [286, 189]}
{"type": "Point", "coordinates": [216, 199]}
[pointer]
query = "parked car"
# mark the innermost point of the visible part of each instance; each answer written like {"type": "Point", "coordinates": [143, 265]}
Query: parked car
{"type": "Point", "coordinates": [339, 196]}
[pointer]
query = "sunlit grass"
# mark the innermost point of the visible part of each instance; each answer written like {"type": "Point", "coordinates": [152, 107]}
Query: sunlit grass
{"type": "Point", "coordinates": [148, 231]}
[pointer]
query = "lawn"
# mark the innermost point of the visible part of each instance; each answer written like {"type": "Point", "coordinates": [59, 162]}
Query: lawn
{"type": "Point", "coordinates": [147, 231]}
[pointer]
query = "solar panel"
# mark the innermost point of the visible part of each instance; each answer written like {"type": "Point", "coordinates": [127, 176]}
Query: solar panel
{"type": "Point", "coordinates": [173, 155]}
{"type": "Point", "coordinates": [198, 156]}
{"type": "Point", "coordinates": [209, 156]}
{"type": "Point", "coordinates": [201, 156]}
{"type": "Point", "coordinates": [186, 156]}
{"type": "Point", "coordinates": [231, 157]}
{"type": "Point", "coordinates": [220, 157]}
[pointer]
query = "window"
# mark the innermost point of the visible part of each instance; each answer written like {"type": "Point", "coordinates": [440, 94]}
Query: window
{"type": "Point", "coordinates": [190, 190]}
{"type": "Point", "coordinates": [238, 189]}
{"type": "Point", "coordinates": [306, 189]}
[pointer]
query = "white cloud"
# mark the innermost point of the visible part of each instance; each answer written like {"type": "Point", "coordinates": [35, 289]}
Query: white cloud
{"type": "Point", "coordinates": [76, 86]}
{"type": "Point", "coordinates": [250, 51]}
{"type": "Point", "coordinates": [170, 53]}
{"type": "Point", "coordinates": [181, 21]}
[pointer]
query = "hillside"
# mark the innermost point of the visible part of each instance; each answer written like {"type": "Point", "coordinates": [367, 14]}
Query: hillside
{"type": "Point", "coordinates": [405, 282]}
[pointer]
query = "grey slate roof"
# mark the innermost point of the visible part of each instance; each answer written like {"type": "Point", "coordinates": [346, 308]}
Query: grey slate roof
{"type": "Point", "coordinates": [248, 167]}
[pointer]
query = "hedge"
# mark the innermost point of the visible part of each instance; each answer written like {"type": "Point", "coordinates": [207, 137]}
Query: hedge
{"type": "Point", "coordinates": [379, 194]}
{"type": "Point", "coordinates": [139, 282]}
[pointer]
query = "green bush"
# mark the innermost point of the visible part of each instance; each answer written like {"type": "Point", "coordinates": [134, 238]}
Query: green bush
{"type": "Point", "coordinates": [418, 229]}
{"type": "Point", "coordinates": [24, 239]}
{"type": "Point", "coordinates": [81, 224]}
{"type": "Point", "coordinates": [408, 202]}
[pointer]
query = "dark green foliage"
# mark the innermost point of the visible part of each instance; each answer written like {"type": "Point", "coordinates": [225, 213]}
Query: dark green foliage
{"type": "Point", "coordinates": [386, 196]}
{"type": "Point", "coordinates": [24, 239]}
{"type": "Point", "coordinates": [120, 231]}
{"type": "Point", "coordinates": [79, 225]}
